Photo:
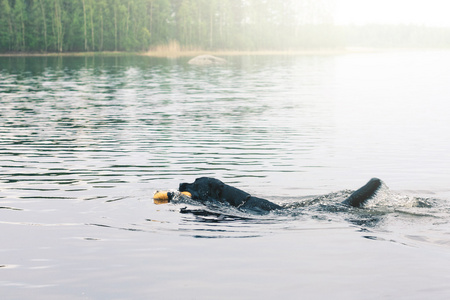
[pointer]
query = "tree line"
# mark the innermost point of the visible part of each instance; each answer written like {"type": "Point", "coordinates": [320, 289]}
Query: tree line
{"type": "Point", "coordinates": [137, 25]}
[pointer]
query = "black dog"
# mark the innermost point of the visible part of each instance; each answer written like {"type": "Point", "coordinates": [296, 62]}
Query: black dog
{"type": "Point", "coordinates": [211, 189]}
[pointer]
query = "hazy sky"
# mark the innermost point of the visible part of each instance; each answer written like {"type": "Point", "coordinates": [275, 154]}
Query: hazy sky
{"type": "Point", "coordinates": [428, 12]}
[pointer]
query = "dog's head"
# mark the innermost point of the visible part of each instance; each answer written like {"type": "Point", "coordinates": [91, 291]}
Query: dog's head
{"type": "Point", "coordinates": [204, 188]}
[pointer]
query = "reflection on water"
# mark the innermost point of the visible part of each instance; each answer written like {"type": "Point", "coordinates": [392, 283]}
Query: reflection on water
{"type": "Point", "coordinates": [101, 119]}
{"type": "Point", "coordinates": [84, 142]}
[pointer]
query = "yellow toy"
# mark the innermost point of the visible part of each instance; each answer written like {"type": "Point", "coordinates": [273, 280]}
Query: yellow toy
{"type": "Point", "coordinates": [163, 197]}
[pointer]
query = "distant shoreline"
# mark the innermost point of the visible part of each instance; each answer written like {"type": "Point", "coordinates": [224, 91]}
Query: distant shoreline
{"type": "Point", "coordinates": [192, 53]}
{"type": "Point", "coordinates": [188, 53]}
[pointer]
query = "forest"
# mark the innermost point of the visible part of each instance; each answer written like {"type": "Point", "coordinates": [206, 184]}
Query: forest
{"type": "Point", "coordinates": [139, 25]}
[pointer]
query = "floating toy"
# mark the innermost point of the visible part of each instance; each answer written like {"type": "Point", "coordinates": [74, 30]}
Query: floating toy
{"type": "Point", "coordinates": [163, 197]}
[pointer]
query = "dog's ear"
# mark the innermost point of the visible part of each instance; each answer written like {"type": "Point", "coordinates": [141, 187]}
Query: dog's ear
{"type": "Point", "coordinates": [216, 190]}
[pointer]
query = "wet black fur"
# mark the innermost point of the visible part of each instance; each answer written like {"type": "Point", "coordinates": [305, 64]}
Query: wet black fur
{"type": "Point", "coordinates": [211, 189]}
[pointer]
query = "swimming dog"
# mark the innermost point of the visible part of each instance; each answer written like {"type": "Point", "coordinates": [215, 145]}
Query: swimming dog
{"type": "Point", "coordinates": [210, 189]}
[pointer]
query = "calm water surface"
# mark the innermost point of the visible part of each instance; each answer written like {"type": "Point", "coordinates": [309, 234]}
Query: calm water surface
{"type": "Point", "coordinates": [84, 143]}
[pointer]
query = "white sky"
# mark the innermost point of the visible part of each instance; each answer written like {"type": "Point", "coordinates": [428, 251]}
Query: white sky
{"type": "Point", "coordinates": [427, 12]}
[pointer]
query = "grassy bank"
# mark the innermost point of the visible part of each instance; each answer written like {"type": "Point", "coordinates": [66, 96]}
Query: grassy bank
{"type": "Point", "coordinates": [238, 52]}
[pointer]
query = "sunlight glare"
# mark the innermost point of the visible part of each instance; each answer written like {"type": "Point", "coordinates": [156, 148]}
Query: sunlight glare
{"type": "Point", "coordinates": [418, 12]}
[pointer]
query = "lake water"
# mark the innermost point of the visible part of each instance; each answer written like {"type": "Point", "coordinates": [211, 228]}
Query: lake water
{"type": "Point", "coordinates": [85, 141]}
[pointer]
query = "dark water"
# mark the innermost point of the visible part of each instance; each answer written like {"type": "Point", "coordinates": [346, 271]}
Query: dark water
{"type": "Point", "coordinates": [84, 143]}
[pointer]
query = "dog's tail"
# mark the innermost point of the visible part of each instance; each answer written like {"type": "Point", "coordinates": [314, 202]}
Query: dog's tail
{"type": "Point", "coordinates": [360, 196]}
